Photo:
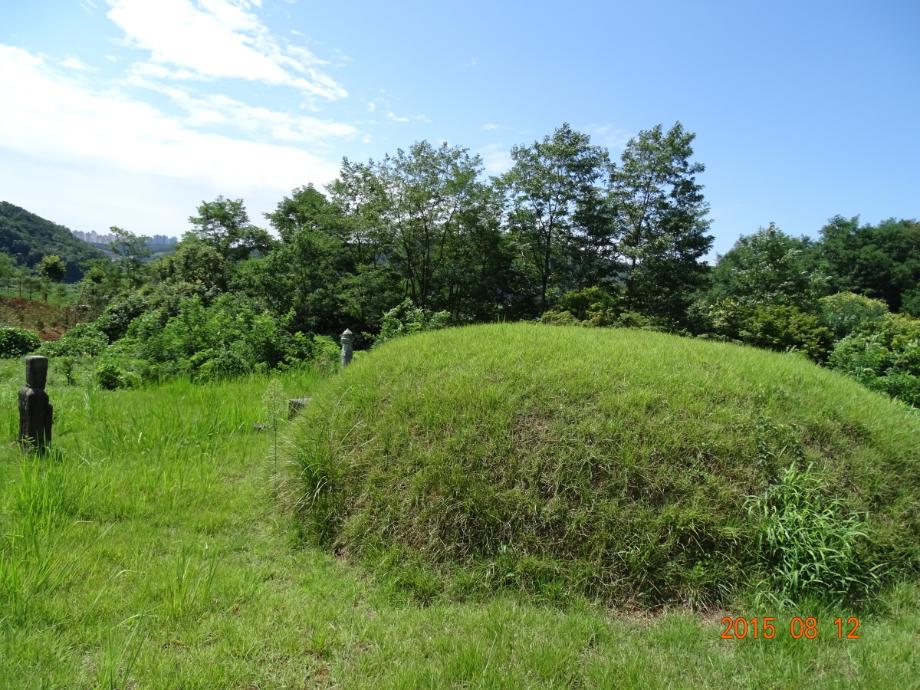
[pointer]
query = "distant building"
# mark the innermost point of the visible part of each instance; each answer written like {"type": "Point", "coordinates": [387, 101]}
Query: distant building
{"type": "Point", "coordinates": [97, 238]}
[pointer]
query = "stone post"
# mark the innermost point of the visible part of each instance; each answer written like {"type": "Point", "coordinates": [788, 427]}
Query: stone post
{"type": "Point", "coordinates": [35, 411]}
{"type": "Point", "coordinates": [347, 350]}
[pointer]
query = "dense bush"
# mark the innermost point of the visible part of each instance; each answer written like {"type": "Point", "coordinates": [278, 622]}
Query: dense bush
{"type": "Point", "coordinates": [847, 312]}
{"type": "Point", "coordinates": [83, 340]}
{"type": "Point", "coordinates": [886, 358]}
{"type": "Point", "coordinates": [15, 342]}
{"type": "Point", "coordinates": [774, 326]}
{"type": "Point", "coordinates": [230, 337]}
{"type": "Point", "coordinates": [406, 318]}
{"type": "Point", "coordinates": [110, 377]}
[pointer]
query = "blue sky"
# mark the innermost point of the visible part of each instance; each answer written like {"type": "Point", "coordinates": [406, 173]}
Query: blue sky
{"type": "Point", "coordinates": [130, 112]}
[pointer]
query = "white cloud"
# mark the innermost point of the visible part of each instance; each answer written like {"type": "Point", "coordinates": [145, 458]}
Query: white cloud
{"type": "Point", "coordinates": [218, 39]}
{"type": "Point", "coordinates": [76, 64]}
{"type": "Point", "coordinates": [609, 136]}
{"type": "Point", "coordinates": [496, 159]}
{"type": "Point", "coordinates": [393, 117]}
{"type": "Point", "coordinates": [48, 116]}
{"type": "Point", "coordinates": [383, 102]}
{"type": "Point", "coordinates": [219, 110]}
{"type": "Point", "coordinates": [489, 126]}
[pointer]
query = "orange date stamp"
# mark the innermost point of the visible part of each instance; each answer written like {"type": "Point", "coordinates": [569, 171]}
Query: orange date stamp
{"type": "Point", "coordinates": [798, 628]}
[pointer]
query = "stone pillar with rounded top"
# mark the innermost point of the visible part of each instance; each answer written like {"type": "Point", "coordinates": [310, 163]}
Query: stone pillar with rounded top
{"type": "Point", "coordinates": [347, 349]}
{"type": "Point", "coordinates": [35, 410]}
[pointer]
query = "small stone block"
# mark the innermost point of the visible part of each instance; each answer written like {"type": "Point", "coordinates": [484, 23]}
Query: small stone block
{"type": "Point", "coordinates": [295, 405]}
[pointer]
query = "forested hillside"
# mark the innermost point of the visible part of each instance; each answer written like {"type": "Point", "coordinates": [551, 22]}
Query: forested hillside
{"type": "Point", "coordinates": [28, 238]}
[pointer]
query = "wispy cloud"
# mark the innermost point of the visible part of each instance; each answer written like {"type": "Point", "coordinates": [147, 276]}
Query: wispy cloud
{"type": "Point", "coordinates": [76, 64]}
{"type": "Point", "coordinates": [383, 104]}
{"type": "Point", "coordinates": [610, 136]}
{"type": "Point", "coordinates": [489, 126]}
{"type": "Point", "coordinates": [496, 158]}
{"type": "Point", "coordinates": [217, 110]}
{"type": "Point", "coordinates": [218, 39]}
{"type": "Point", "coordinates": [50, 116]}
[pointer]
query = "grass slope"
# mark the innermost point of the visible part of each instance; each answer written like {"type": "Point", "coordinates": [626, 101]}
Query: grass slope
{"type": "Point", "coordinates": [613, 463]}
{"type": "Point", "coordinates": [152, 553]}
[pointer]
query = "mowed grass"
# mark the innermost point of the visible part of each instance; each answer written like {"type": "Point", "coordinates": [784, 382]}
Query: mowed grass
{"type": "Point", "coordinates": [155, 549]}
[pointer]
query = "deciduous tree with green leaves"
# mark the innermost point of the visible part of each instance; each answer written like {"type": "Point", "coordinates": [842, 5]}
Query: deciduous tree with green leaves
{"type": "Point", "coordinates": [553, 196]}
{"type": "Point", "coordinates": [661, 223]}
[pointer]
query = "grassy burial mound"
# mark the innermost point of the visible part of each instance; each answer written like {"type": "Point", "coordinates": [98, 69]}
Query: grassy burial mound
{"type": "Point", "coordinates": [634, 467]}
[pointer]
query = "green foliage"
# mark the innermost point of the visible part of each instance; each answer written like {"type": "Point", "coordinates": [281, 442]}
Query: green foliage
{"type": "Point", "coordinates": [16, 342]}
{"type": "Point", "coordinates": [230, 337]}
{"type": "Point", "coordinates": [68, 367]}
{"type": "Point", "coordinates": [406, 319]}
{"type": "Point", "coordinates": [52, 267]}
{"type": "Point", "coordinates": [592, 306]}
{"type": "Point", "coordinates": [660, 222]}
{"type": "Point", "coordinates": [809, 544]}
{"type": "Point", "coordinates": [768, 267]}
{"type": "Point", "coordinates": [910, 302]}
{"type": "Point", "coordinates": [28, 238]}
{"type": "Point", "coordinates": [781, 327]}
{"type": "Point", "coordinates": [223, 224]}
{"type": "Point", "coordinates": [885, 358]}
{"type": "Point", "coordinates": [83, 340]}
{"type": "Point", "coordinates": [553, 196]}
{"type": "Point", "coordinates": [846, 312]}
{"type": "Point", "coordinates": [610, 463]}
{"type": "Point", "coordinates": [110, 377]}
{"type": "Point", "coordinates": [880, 261]}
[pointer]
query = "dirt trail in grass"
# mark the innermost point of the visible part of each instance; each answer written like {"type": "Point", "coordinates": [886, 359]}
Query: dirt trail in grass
{"type": "Point", "coordinates": [153, 552]}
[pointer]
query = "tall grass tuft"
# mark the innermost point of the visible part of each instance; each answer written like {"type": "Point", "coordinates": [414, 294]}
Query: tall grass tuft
{"type": "Point", "coordinates": [809, 543]}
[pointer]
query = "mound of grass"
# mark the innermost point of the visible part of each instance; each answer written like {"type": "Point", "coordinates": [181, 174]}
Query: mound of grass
{"type": "Point", "coordinates": [632, 467]}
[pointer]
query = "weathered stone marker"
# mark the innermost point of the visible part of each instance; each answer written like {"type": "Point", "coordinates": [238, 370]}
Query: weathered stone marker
{"type": "Point", "coordinates": [347, 350]}
{"type": "Point", "coordinates": [35, 411]}
{"type": "Point", "coordinates": [295, 405]}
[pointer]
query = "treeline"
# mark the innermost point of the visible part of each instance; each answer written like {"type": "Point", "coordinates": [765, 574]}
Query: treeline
{"type": "Point", "coordinates": [568, 235]}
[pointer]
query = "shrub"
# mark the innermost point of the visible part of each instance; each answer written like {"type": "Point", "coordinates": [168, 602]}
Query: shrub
{"type": "Point", "coordinates": [110, 377]}
{"type": "Point", "coordinates": [229, 337]}
{"type": "Point", "coordinates": [406, 318]}
{"type": "Point", "coordinates": [593, 306]}
{"type": "Point", "coordinates": [16, 342]}
{"type": "Point", "coordinates": [886, 359]}
{"type": "Point", "coordinates": [774, 326]}
{"type": "Point", "coordinates": [847, 312]}
{"type": "Point", "coordinates": [83, 340]}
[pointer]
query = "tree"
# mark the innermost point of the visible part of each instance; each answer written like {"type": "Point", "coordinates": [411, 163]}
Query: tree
{"type": "Point", "coordinates": [224, 225]}
{"type": "Point", "coordinates": [410, 213]}
{"type": "Point", "coordinates": [52, 267]}
{"type": "Point", "coordinates": [130, 251]}
{"type": "Point", "coordinates": [661, 224]}
{"type": "Point", "coordinates": [303, 273]}
{"type": "Point", "coordinates": [769, 266]}
{"type": "Point", "coordinates": [553, 200]}
{"type": "Point", "coordinates": [880, 261]}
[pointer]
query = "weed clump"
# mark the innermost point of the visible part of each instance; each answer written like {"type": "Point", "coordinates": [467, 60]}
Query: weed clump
{"type": "Point", "coordinates": [613, 464]}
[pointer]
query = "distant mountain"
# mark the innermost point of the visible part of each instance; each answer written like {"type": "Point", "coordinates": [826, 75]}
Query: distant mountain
{"type": "Point", "coordinates": [27, 238]}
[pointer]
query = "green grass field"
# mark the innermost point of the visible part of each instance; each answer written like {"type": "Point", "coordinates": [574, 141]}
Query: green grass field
{"type": "Point", "coordinates": [156, 548]}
